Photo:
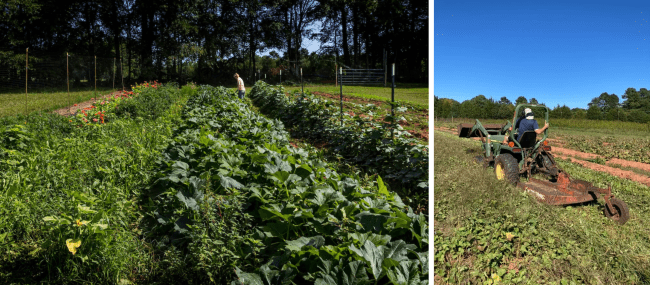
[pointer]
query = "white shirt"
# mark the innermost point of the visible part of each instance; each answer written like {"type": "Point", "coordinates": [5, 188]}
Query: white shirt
{"type": "Point", "coordinates": [240, 84]}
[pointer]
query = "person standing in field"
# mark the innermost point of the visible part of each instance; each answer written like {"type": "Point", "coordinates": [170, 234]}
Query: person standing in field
{"type": "Point", "coordinates": [240, 86]}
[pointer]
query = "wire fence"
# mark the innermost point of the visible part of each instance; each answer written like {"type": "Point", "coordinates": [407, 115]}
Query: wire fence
{"type": "Point", "coordinates": [60, 72]}
{"type": "Point", "coordinates": [362, 77]}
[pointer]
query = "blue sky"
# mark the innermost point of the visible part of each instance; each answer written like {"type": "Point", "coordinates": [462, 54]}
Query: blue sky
{"type": "Point", "coordinates": [559, 52]}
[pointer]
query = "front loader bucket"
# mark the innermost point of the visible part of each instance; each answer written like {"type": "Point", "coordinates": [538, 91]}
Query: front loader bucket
{"type": "Point", "coordinates": [465, 130]}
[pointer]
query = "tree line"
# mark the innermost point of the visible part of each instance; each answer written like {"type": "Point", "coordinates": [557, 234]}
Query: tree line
{"type": "Point", "coordinates": [208, 39]}
{"type": "Point", "coordinates": [634, 108]}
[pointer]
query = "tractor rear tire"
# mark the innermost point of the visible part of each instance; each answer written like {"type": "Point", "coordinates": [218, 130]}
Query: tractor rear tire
{"type": "Point", "coordinates": [507, 168]}
{"type": "Point", "coordinates": [621, 213]}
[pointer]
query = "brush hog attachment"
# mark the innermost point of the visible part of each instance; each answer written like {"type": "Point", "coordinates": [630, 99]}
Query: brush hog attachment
{"type": "Point", "coordinates": [567, 191]}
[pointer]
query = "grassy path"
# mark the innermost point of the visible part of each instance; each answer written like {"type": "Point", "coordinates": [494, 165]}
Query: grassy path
{"type": "Point", "coordinates": [413, 93]}
{"type": "Point", "coordinates": [44, 100]}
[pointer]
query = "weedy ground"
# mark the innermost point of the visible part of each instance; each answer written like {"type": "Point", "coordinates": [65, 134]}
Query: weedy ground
{"type": "Point", "coordinates": [488, 231]}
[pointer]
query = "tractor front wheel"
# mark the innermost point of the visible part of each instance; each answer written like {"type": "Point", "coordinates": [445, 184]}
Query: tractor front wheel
{"type": "Point", "coordinates": [507, 168]}
{"type": "Point", "coordinates": [620, 213]}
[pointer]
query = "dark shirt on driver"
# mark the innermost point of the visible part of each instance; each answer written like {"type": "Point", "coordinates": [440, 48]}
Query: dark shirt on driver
{"type": "Point", "coordinates": [526, 125]}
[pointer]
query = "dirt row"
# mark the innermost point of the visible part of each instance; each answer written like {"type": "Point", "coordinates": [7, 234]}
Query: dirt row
{"type": "Point", "coordinates": [71, 110]}
{"type": "Point", "coordinates": [581, 157]}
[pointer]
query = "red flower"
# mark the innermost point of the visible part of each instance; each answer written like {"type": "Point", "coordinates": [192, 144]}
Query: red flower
{"type": "Point", "coordinates": [75, 104]}
{"type": "Point", "coordinates": [94, 120]}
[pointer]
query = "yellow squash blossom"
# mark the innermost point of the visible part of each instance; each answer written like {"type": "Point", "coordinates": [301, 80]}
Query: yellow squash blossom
{"type": "Point", "coordinates": [73, 245]}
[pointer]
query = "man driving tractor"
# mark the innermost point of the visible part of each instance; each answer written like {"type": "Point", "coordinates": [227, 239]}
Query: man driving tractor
{"type": "Point", "coordinates": [525, 123]}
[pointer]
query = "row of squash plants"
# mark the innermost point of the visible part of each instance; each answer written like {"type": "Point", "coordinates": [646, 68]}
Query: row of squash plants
{"type": "Point", "coordinates": [359, 139]}
{"type": "Point", "coordinates": [234, 202]}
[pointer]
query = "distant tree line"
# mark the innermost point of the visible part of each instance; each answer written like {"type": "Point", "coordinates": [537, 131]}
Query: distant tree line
{"type": "Point", "coordinates": [205, 39]}
{"type": "Point", "coordinates": [635, 108]}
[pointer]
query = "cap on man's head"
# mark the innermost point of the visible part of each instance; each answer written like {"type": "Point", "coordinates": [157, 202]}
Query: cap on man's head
{"type": "Point", "coordinates": [529, 114]}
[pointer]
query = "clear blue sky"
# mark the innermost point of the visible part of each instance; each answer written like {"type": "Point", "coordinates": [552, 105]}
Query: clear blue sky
{"type": "Point", "coordinates": [559, 52]}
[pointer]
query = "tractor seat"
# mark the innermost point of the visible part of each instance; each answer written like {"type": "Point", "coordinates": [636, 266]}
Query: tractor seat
{"type": "Point", "coordinates": [528, 139]}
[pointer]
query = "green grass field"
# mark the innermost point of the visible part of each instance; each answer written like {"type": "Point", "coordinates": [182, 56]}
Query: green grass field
{"type": "Point", "coordinates": [487, 231]}
{"type": "Point", "coordinates": [44, 100]}
{"type": "Point", "coordinates": [414, 93]}
{"type": "Point", "coordinates": [569, 127]}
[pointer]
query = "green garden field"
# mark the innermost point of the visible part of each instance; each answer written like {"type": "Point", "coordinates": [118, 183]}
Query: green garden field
{"type": "Point", "coordinates": [168, 185]}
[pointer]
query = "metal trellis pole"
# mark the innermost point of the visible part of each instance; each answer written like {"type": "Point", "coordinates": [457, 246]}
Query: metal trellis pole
{"type": "Point", "coordinates": [95, 74]}
{"type": "Point", "coordinates": [341, 73]}
{"type": "Point", "coordinates": [67, 70]}
{"type": "Point", "coordinates": [122, 73]}
{"type": "Point", "coordinates": [385, 68]}
{"type": "Point", "coordinates": [113, 73]}
{"type": "Point", "coordinates": [301, 84]}
{"type": "Point", "coordinates": [26, 71]}
{"type": "Point", "coordinates": [392, 105]}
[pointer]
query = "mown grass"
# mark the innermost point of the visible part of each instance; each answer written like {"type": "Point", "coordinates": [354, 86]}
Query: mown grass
{"type": "Point", "coordinates": [487, 231]}
{"type": "Point", "coordinates": [413, 93]}
{"type": "Point", "coordinates": [45, 100]}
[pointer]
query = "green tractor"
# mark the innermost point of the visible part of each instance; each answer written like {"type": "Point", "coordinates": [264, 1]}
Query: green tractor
{"type": "Point", "coordinates": [530, 155]}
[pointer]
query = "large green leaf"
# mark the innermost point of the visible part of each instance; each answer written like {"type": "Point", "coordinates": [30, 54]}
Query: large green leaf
{"type": "Point", "coordinates": [373, 255]}
{"type": "Point", "coordinates": [345, 273]}
{"type": "Point", "coordinates": [401, 220]}
{"type": "Point", "coordinates": [296, 245]}
{"type": "Point", "coordinates": [405, 273]}
{"type": "Point", "coordinates": [374, 238]}
{"type": "Point", "coordinates": [423, 257]}
{"type": "Point", "coordinates": [304, 171]}
{"type": "Point", "coordinates": [189, 202]}
{"type": "Point", "coordinates": [246, 278]}
{"type": "Point", "coordinates": [271, 212]}
{"type": "Point", "coordinates": [229, 183]}
{"type": "Point", "coordinates": [179, 169]}
{"type": "Point", "coordinates": [372, 222]}
{"type": "Point", "coordinates": [381, 187]}
{"type": "Point", "coordinates": [281, 176]}
{"type": "Point", "coordinates": [397, 250]}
